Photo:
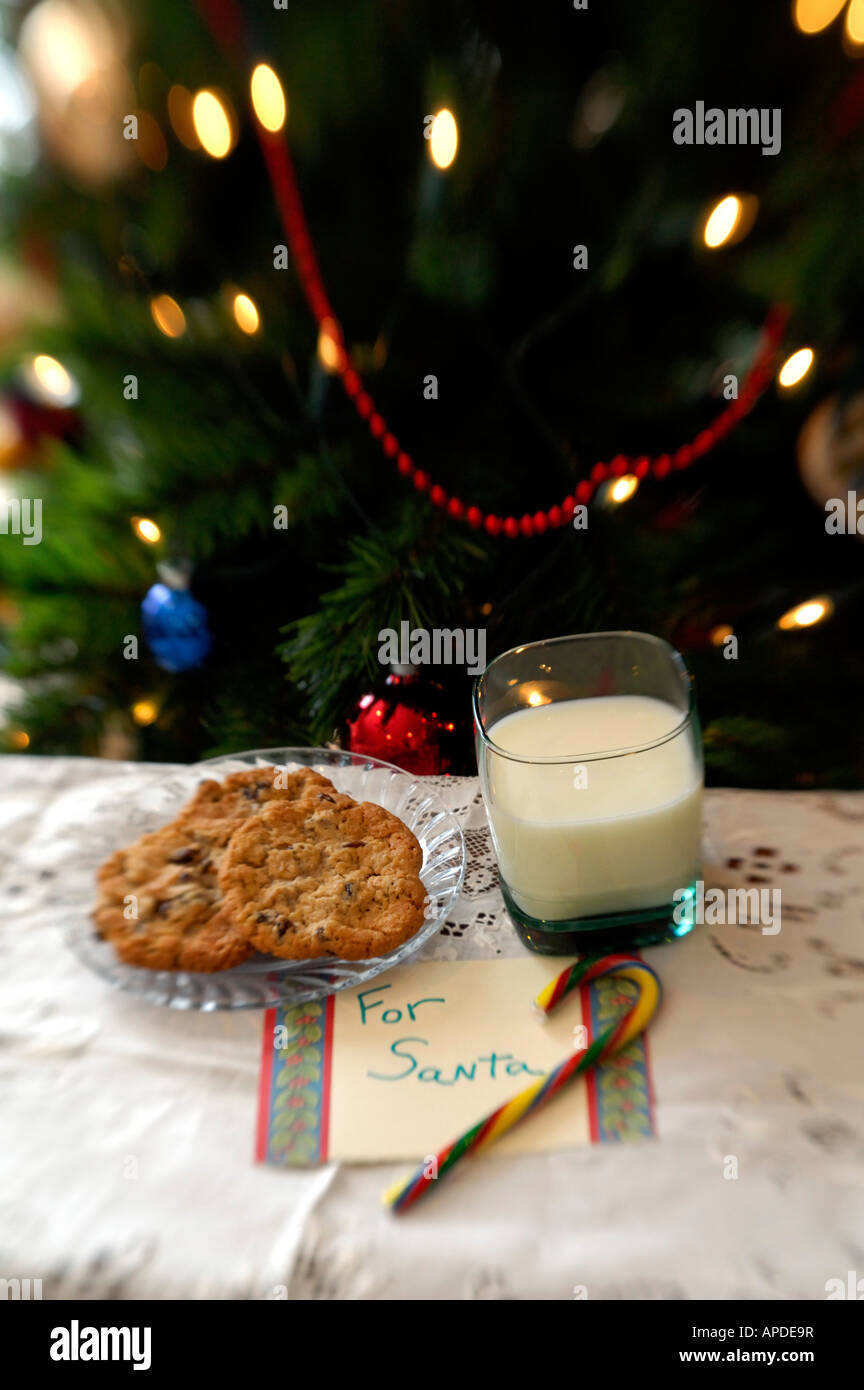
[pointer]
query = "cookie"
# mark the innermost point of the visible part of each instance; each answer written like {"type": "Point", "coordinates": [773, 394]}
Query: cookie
{"type": "Point", "coordinates": [160, 905]}
{"type": "Point", "coordinates": [244, 793]}
{"type": "Point", "coordinates": [320, 878]}
{"type": "Point", "coordinates": [170, 874]}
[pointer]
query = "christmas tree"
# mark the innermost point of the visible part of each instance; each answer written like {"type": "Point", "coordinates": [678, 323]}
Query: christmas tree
{"type": "Point", "coordinates": [432, 324]}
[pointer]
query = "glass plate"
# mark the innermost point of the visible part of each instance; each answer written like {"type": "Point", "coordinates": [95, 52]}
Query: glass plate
{"type": "Point", "coordinates": [266, 980]}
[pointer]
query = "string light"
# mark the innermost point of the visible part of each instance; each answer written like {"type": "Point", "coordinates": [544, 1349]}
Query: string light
{"type": "Point", "coordinates": [722, 221]}
{"type": "Point", "coordinates": [796, 367]}
{"type": "Point", "coordinates": [146, 530]}
{"type": "Point", "coordinates": [717, 636]}
{"type": "Point", "coordinates": [623, 488]}
{"type": "Point", "coordinates": [811, 16]}
{"type": "Point", "coordinates": [246, 313]}
{"type": "Point", "coordinates": [180, 116]}
{"type": "Point", "coordinates": [168, 316]}
{"type": "Point", "coordinates": [49, 382]}
{"type": "Point", "coordinates": [145, 712]}
{"type": "Point", "coordinates": [331, 348]}
{"type": "Point", "coordinates": [815, 610]}
{"type": "Point", "coordinates": [268, 98]}
{"type": "Point", "coordinates": [443, 139]}
{"type": "Point", "coordinates": [330, 352]}
{"type": "Point", "coordinates": [212, 124]}
{"type": "Point", "coordinates": [19, 738]}
{"type": "Point", "coordinates": [855, 22]}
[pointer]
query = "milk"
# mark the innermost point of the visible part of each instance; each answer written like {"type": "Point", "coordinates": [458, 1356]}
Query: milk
{"type": "Point", "coordinates": [610, 835]}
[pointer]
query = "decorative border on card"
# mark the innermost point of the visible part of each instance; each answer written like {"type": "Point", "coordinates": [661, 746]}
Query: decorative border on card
{"type": "Point", "coordinates": [294, 1094]}
{"type": "Point", "coordinates": [620, 1098]}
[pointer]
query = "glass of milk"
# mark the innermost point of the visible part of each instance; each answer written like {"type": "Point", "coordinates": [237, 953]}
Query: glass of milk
{"type": "Point", "coordinates": [590, 761]}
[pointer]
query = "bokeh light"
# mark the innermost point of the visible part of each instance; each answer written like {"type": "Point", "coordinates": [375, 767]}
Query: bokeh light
{"type": "Point", "coordinates": [168, 316]}
{"type": "Point", "coordinates": [443, 139]}
{"type": "Point", "coordinates": [145, 712]}
{"type": "Point", "coordinates": [815, 610]}
{"type": "Point", "coordinates": [722, 221]}
{"type": "Point", "coordinates": [623, 487]}
{"type": "Point", "coordinates": [813, 15]}
{"type": "Point", "coordinates": [48, 381]}
{"type": "Point", "coordinates": [180, 116]}
{"type": "Point", "coordinates": [268, 98]}
{"type": "Point", "coordinates": [796, 367]}
{"type": "Point", "coordinates": [212, 124]}
{"type": "Point", "coordinates": [146, 530]}
{"type": "Point", "coordinates": [855, 22]}
{"type": "Point", "coordinates": [330, 351]}
{"type": "Point", "coordinates": [246, 313]}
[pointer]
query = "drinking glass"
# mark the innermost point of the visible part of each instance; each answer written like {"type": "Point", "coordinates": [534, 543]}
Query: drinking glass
{"type": "Point", "coordinates": [597, 835]}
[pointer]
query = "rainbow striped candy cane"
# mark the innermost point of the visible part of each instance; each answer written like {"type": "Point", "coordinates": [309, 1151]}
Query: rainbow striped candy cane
{"type": "Point", "coordinates": [618, 1035]}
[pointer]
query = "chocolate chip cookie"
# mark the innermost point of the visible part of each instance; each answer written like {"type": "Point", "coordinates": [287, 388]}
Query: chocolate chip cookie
{"type": "Point", "coordinates": [324, 877]}
{"type": "Point", "coordinates": [160, 904]}
{"type": "Point", "coordinates": [243, 794]}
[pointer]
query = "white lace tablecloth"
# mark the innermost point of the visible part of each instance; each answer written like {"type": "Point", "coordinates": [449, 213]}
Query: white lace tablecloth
{"type": "Point", "coordinates": [127, 1130]}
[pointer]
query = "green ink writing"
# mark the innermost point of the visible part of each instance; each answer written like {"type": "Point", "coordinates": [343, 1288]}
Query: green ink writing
{"type": "Point", "coordinates": [462, 1071]}
{"type": "Point", "coordinates": [389, 1016]}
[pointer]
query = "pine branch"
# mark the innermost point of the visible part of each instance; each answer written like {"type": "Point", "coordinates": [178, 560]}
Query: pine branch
{"type": "Point", "coordinates": [416, 571]}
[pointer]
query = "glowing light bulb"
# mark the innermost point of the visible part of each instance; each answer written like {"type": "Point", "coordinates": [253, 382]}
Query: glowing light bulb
{"type": "Point", "coordinates": [268, 98]}
{"type": "Point", "coordinates": [19, 738]}
{"type": "Point", "coordinates": [623, 487]}
{"type": "Point", "coordinates": [443, 139]}
{"type": "Point", "coordinates": [168, 316]}
{"type": "Point", "coordinates": [812, 15]}
{"type": "Point", "coordinates": [246, 313]}
{"type": "Point", "coordinates": [330, 351]}
{"type": "Point", "coordinates": [145, 712]}
{"type": "Point", "coordinates": [815, 610]}
{"type": "Point", "coordinates": [49, 382]}
{"type": "Point", "coordinates": [212, 124]}
{"type": "Point", "coordinates": [146, 530]}
{"type": "Point", "coordinates": [717, 636]}
{"type": "Point", "coordinates": [796, 367]}
{"type": "Point", "coordinates": [855, 22]}
{"type": "Point", "coordinates": [722, 221]}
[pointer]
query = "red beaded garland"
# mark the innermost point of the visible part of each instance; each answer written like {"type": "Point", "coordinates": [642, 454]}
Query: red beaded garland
{"type": "Point", "coordinates": [277, 157]}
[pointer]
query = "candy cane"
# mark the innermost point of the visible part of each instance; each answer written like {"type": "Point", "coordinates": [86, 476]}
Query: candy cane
{"type": "Point", "coordinates": [403, 1194]}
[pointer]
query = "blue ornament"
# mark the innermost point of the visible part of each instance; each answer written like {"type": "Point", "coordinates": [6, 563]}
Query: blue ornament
{"type": "Point", "coordinates": [175, 628]}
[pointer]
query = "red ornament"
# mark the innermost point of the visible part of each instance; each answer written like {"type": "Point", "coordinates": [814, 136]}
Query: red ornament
{"type": "Point", "coordinates": [35, 420]}
{"type": "Point", "coordinates": [413, 721]}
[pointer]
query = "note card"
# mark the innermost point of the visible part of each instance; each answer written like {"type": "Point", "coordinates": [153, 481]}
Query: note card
{"type": "Point", "coordinates": [396, 1068]}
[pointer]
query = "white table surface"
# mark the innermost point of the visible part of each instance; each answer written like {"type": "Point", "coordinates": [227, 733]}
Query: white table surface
{"type": "Point", "coordinates": [127, 1129]}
